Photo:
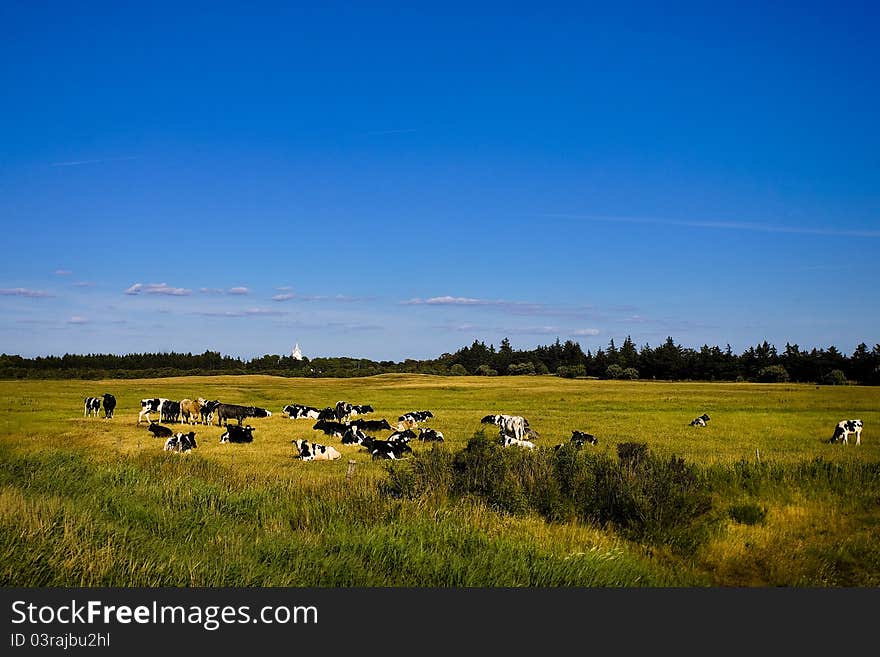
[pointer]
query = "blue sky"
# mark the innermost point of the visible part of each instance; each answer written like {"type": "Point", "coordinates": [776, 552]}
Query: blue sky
{"type": "Point", "coordinates": [391, 181]}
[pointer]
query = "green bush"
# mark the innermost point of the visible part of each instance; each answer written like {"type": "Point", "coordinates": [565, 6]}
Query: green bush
{"type": "Point", "coordinates": [833, 378]}
{"type": "Point", "coordinates": [773, 374]}
{"type": "Point", "coordinates": [485, 370]}
{"type": "Point", "coordinates": [748, 513]}
{"type": "Point", "coordinates": [630, 373]}
{"type": "Point", "coordinates": [614, 372]}
{"type": "Point", "coordinates": [458, 370]}
{"type": "Point", "coordinates": [571, 372]}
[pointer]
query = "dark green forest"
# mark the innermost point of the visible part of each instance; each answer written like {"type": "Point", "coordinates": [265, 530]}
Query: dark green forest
{"type": "Point", "coordinates": [669, 361]}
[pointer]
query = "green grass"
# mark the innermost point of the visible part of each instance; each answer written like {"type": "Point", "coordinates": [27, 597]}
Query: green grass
{"type": "Point", "coordinates": [93, 502]}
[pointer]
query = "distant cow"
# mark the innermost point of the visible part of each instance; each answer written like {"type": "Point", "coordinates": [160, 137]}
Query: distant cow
{"type": "Point", "coordinates": [508, 441]}
{"type": "Point", "coordinates": [430, 435]}
{"type": "Point", "coordinates": [169, 411]}
{"type": "Point", "coordinates": [92, 406]}
{"type": "Point", "coordinates": [226, 412]}
{"type": "Point", "coordinates": [236, 434]}
{"type": "Point", "coordinates": [387, 449]}
{"type": "Point", "coordinates": [181, 442]}
{"type": "Point", "coordinates": [109, 405]}
{"type": "Point", "coordinates": [846, 427]}
{"type": "Point", "coordinates": [315, 451]}
{"type": "Point", "coordinates": [206, 412]}
{"type": "Point", "coordinates": [331, 428]}
{"type": "Point", "coordinates": [581, 438]}
{"type": "Point", "coordinates": [256, 411]}
{"type": "Point", "coordinates": [297, 411]}
{"type": "Point", "coordinates": [354, 436]}
{"type": "Point", "coordinates": [371, 425]}
{"type": "Point", "coordinates": [191, 410]}
{"type": "Point", "coordinates": [361, 409]}
{"type": "Point", "coordinates": [403, 436]}
{"type": "Point", "coordinates": [508, 425]}
{"type": "Point", "coordinates": [158, 430]}
{"type": "Point", "coordinates": [150, 405]}
{"type": "Point", "coordinates": [700, 421]}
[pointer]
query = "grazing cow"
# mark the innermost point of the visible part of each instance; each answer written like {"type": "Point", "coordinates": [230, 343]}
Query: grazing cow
{"type": "Point", "coordinates": [371, 425]}
{"type": "Point", "coordinates": [191, 410]}
{"type": "Point", "coordinates": [92, 406]}
{"type": "Point", "coordinates": [109, 405]}
{"type": "Point", "coordinates": [331, 428]}
{"type": "Point", "coordinates": [581, 438]}
{"type": "Point", "coordinates": [181, 442]}
{"type": "Point", "coordinates": [158, 430]}
{"type": "Point", "coordinates": [508, 425]}
{"type": "Point", "coordinates": [151, 405]}
{"type": "Point", "coordinates": [387, 449]}
{"type": "Point", "coordinates": [430, 435]}
{"type": "Point", "coordinates": [846, 427]}
{"type": "Point", "coordinates": [206, 412]}
{"type": "Point", "coordinates": [315, 451]}
{"type": "Point", "coordinates": [700, 421]}
{"type": "Point", "coordinates": [297, 411]}
{"type": "Point", "coordinates": [226, 412]}
{"type": "Point", "coordinates": [169, 411]}
{"type": "Point", "coordinates": [237, 434]}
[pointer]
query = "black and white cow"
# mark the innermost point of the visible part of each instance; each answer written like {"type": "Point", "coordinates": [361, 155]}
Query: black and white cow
{"type": "Point", "coordinates": [387, 449]}
{"type": "Point", "coordinates": [328, 413]}
{"type": "Point", "coordinates": [169, 411]}
{"type": "Point", "coordinates": [206, 412]}
{"type": "Point", "coordinates": [508, 425]}
{"type": "Point", "coordinates": [256, 411]}
{"type": "Point", "coordinates": [507, 441]}
{"type": "Point", "coordinates": [371, 425]}
{"type": "Point", "coordinates": [430, 435]}
{"type": "Point", "coordinates": [700, 421]}
{"type": "Point", "coordinates": [315, 451]}
{"type": "Point", "coordinates": [158, 430]}
{"type": "Point", "coordinates": [581, 438]}
{"type": "Point", "coordinates": [331, 428]}
{"type": "Point", "coordinates": [109, 402]}
{"type": "Point", "coordinates": [181, 442]}
{"type": "Point", "coordinates": [354, 436]}
{"type": "Point", "coordinates": [150, 405]}
{"type": "Point", "coordinates": [362, 409]}
{"type": "Point", "coordinates": [297, 411]}
{"type": "Point", "coordinates": [846, 427]}
{"type": "Point", "coordinates": [92, 406]}
{"type": "Point", "coordinates": [237, 434]}
{"type": "Point", "coordinates": [404, 435]}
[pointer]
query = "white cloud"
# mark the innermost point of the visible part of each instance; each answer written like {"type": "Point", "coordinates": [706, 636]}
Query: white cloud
{"type": "Point", "coordinates": [158, 288]}
{"type": "Point", "coordinates": [63, 272]}
{"type": "Point", "coordinates": [24, 292]}
{"type": "Point", "coordinates": [585, 332]}
{"type": "Point", "coordinates": [76, 319]}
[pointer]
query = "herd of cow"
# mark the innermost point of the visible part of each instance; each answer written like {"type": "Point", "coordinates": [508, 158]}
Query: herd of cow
{"type": "Point", "coordinates": [339, 422]}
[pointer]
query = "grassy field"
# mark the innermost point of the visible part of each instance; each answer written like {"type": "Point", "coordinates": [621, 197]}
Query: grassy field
{"type": "Point", "coordinates": [94, 502]}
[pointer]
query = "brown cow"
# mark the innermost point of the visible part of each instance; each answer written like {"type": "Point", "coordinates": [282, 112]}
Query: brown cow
{"type": "Point", "coordinates": [191, 410]}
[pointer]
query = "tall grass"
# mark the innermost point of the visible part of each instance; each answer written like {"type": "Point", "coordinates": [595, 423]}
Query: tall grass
{"type": "Point", "coordinates": [758, 498]}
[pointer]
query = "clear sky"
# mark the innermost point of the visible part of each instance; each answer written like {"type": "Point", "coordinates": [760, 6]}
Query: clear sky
{"type": "Point", "coordinates": [395, 180]}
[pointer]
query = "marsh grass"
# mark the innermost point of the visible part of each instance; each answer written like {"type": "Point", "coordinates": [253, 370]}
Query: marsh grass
{"type": "Point", "coordinates": [89, 502]}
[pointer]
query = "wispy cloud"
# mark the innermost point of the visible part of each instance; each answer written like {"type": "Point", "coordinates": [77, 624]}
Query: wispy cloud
{"type": "Point", "coordinates": [585, 332]}
{"type": "Point", "coordinates": [77, 319]}
{"type": "Point", "coordinates": [239, 290]}
{"type": "Point", "coordinates": [725, 225]}
{"type": "Point", "coordinates": [250, 312]}
{"type": "Point", "coordinates": [75, 163]}
{"type": "Point", "coordinates": [24, 292]}
{"type": "Point", "coordinates": [290, 296]}
{"type": "Point", "coordinates": [524, 308]}
{"type": "Point", "coordinates": [83, 284]}
{"type": "Point", "coordinates": [158, 288]}
{"type": "Point", "coordinates": [63, 272]}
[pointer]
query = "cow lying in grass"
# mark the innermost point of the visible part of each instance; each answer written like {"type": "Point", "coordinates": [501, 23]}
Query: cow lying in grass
{"type": "Point", "coordinates": [181, 442]}
{"type": "Point", "coordinates": [700, 421]}
{"type": "Point", "coordinates": [846, 427]}
{"type": "Point", "coordinates": [158, 430]}
{"type": "Point", "coordinates": [315, 452]}
{"type": "Point", "coordinates": [237, 434]}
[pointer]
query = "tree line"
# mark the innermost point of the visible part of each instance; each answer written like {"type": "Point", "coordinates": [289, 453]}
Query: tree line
{"type": "Point", "coordinates": [669, 361]}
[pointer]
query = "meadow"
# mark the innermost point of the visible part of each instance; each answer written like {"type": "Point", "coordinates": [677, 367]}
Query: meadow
{"type": "Point", "coordinates": [96, 502]}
